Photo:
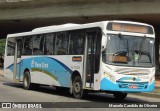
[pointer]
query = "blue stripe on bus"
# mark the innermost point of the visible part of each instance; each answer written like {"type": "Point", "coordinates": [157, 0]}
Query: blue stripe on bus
{"type": "Point", "coordinates": [55, 67]}
{"type": "Point", "coordinates": [68, 69]}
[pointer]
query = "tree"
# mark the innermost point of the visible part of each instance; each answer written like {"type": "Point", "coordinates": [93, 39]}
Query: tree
{"type": "Point", "coordinates": [2, 46]}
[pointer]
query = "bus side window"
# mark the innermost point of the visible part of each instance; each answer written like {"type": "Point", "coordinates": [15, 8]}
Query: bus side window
{"type": "Point", "coordinates": [38, 45]}
{"type": "Point", "coordinates": [61, 43]}
{"type": "Point", "coordinates": [76, 46]}
{"type": "Point", "coordinates": [11, 47]}
{"type": "Point", "coordinates": [49, 44]}
{"type": "Point", "coordinates": [27, 48]}
{"type": "Point", "coordinates": [20, 45]}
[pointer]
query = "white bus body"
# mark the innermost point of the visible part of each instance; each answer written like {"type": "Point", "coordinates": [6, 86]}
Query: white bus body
{"type": "Point", "coordinates": [110, 56]}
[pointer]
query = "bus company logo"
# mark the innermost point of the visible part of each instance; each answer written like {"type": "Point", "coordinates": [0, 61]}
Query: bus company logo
{"type": "Point", "coordinates": [38, 65]}
{"type": "Point", "coordinates": [32, 63]}
{"type": "Point", "coordinates": [6, 105]}
{"type": "Point", "coordinates": [134, 79]}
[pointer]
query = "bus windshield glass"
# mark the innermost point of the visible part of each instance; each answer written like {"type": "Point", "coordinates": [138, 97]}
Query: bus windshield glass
{"type": "Point", "coordinates": [127, 50]}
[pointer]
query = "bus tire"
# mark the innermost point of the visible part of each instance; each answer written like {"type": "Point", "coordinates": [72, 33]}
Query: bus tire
{"type": "Point", "coordinates": [78, 91]}
{"type": "Point", "coordinates": [120, 95]}
{"type": "Point", "coordinates": [27, 81]}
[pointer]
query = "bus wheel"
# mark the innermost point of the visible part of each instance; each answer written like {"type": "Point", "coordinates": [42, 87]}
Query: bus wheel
{"type": "Point", "coordinates": [26, 81]}
{"type": "Point", "coordinates": [120, 95]}
{"type": "Point", "coordinates": [78, 91]}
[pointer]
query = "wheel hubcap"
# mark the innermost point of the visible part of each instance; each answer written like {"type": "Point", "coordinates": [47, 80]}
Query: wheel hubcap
{"type": "Point", "coordinates": [77, 87]}
{"type": "Point", "coordinates": [25, 82]}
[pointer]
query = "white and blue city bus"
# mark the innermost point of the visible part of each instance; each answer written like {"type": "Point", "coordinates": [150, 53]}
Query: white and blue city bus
{"type": "Point", "coordinates": [110, 56]}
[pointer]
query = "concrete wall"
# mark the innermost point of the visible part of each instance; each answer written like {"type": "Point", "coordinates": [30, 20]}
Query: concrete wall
{"type": "Point", "coordinates": [81, 8]}
{"type": "Point", "coordinates": [24, 15]}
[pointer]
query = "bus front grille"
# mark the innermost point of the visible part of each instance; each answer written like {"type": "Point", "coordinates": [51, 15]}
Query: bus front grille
{"type": "Point", "coordinates": [141, 85]}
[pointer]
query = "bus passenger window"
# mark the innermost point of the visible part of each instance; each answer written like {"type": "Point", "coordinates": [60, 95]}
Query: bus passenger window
{"type": "Point", "coordinates": [38, 45]}
{"type": "Point", "coordinates": [49, 44]}
{"type": "Point", "coordinates": [62, 43]}
{"type": "Point", "coordinates": [19, 47]}
{"type": "Point", "coordinates": [27, 49]}
{"type": "Point", "coordinates": [76, 46]}
{"type": "Point", "coordinates": [11, 47]}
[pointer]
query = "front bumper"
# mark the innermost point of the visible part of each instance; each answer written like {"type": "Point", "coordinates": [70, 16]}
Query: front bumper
{"type": "Point", "coordinates": [107, 85]}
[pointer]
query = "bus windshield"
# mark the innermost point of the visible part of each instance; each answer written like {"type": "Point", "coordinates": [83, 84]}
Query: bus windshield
{"type": "Point", "coordinates": [127, 50]}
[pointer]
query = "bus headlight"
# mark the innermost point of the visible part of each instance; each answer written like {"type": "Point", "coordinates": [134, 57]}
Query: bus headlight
{"type": "Point", "coordinates": [151, 79]}
{"type": "Point", "coordinates": [109, 76]}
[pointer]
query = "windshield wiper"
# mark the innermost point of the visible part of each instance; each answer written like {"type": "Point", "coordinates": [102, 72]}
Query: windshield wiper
{"type": "Point", "coordinates": [141, 46]}
{"type": "Point", "coordinates": [126, 45]}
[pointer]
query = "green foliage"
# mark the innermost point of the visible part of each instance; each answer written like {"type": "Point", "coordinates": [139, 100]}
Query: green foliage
{"type": "Point", "coordinates": [2, 46]}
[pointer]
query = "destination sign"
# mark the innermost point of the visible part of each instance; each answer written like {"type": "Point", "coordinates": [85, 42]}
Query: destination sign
{"type": "Point", "coordinates": [124, 27]}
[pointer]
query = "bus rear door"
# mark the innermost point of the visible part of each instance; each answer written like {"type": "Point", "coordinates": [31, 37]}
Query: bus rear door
{"type": "Point", "coordinates": [17, 59]}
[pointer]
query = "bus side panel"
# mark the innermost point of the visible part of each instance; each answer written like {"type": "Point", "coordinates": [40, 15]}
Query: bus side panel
{"type": "Point", "coordinates": [8, 67]}
{"type": "Point", "coordinates": [51, 70]}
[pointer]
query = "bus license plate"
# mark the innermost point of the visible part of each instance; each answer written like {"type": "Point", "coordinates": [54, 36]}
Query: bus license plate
{"type": "Point", "coordinates": [133, 86]}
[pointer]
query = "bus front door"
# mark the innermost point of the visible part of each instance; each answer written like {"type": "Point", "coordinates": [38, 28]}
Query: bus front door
{"type": "Point", "coordinates": [93, 56]}
{"type": "Point", "coordinates": [17, 60]}
{"type": "Point", "coordinates": [90, 60]}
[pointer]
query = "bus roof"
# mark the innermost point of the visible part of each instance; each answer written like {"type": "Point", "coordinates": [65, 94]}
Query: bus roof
{"type": "Point", "coordinates": [69, 26]}
{"type": "Point", "coordinates": [55, 27]}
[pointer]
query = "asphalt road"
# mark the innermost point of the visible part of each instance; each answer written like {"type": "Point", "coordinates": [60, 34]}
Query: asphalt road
{"type": "Point", "coordinates": [13, 92]}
